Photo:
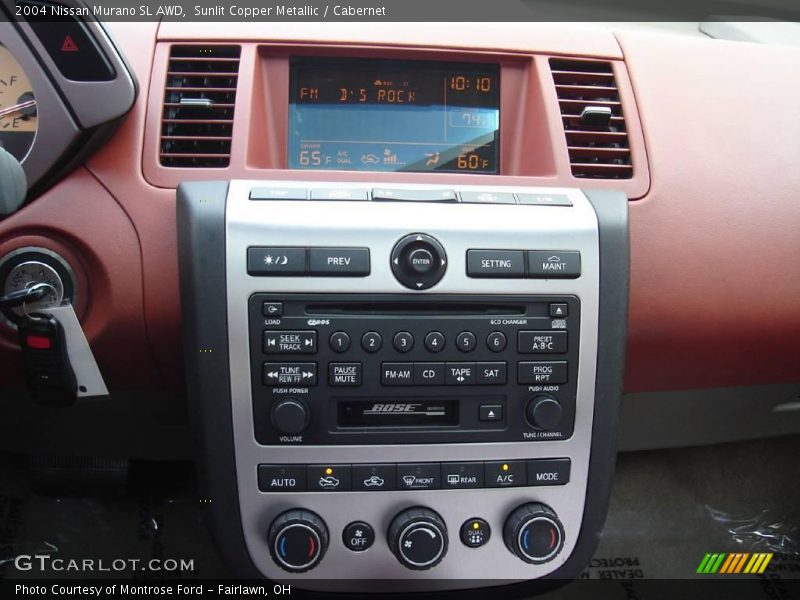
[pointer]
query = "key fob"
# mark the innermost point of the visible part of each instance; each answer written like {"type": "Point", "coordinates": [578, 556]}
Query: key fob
{"type": "Point", "coordinates": [48, 371]}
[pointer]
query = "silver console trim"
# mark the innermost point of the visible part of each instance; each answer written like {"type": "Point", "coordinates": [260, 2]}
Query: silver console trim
{"type": "Point", "coordinates": [379, 225]}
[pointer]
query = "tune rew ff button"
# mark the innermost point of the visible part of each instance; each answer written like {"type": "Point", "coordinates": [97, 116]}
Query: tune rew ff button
{"type": "Point", "coordinates": [298, 540]}
{"type": "Point", "coordinates": [533, 533]}
{"type": "Point", "coordinates": [418, 261]}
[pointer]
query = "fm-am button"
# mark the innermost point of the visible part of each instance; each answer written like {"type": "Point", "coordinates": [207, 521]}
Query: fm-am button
{"type": "Point", "coordinates": [397, 374]}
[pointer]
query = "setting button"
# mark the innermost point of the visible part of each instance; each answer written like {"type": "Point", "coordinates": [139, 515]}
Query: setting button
{"type": "Point", "coordinates": [542, 372]}
{"type": "Point", "coordinates": [462, 475]}
{"type": "Point", "coordinates": [344, 374]}
{"type": "Point", "coordinates": [511, 473]}
{"type": "Point", "coordinates": [290, 342]}
{"type": "Point", "coordinates": [397, 374]}
{"type": "Point", "coordinates": [302, 374]}
{"type": "Point", "coordinates": [496, 263]}
{"type": "Point", "coordinates": [549, 471]}
{"type": "Point", "coordinates": [358, 536]}
{"type": "Point", "coordinates": [419, 476]}
{"type": "Point", "coordinates": [541, 342]}
{"type": "Point", "coordinates": [328, 478]}
{"type": "Point", "coordinates": [338, 262]}
{"type": "Point", "coordinates": [282, 478]}
{"type": "Point", "coordinates": [276, 261]}
{"type": "Point", "coordinates": [554, 264]}
{"type": "Point", "coordinates": [475, 533]}
{"type": "Point", "coordinates": [460, 373]}
{"type": "Point", "coordinates": [492, 373]}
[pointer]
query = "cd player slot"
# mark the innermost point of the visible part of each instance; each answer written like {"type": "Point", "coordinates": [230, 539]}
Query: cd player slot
{"type": "Point", "coordinates": [412, 308]}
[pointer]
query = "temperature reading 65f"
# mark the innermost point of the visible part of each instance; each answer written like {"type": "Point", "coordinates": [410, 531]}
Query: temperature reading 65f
{"type": "Point", "coordinates": [470, 161]}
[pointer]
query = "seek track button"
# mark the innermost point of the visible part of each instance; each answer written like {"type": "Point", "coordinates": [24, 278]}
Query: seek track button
{"type": "Point", "coordinates": [290, 342]}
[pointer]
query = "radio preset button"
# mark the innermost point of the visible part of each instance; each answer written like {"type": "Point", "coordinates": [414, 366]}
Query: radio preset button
{"type": "Point", "coordinates": [512, 473]}
{"type": "Point", "coordinates": [339, 341]}
{"type": "Point", "coordinates": [290, 342]}
{"type": "Point", "coordinates": [282, 478]}
{"type": "Point", "coordinates": [397, 374]}
{"type": "Point", "coordinates": [496, 341]}
{"type": "Point", "coordinates": [462, 475]}
{"type": "Point", "coordinates": [435, 341]}
{"type": "Point", "coordinates": [490, 412]}
{"type": "Point", "coordinates": [297, 374]}
{"type": "Point", "coordinates": [338, 262]}
{"type": "Point", "coordinates": [374, 478]}
{"type": "Point", "coordinates": [328, 478]}
{"type": "Point", "coordinates": [344, 374]}
{"type": "Point", "coordinates": [554, 264]}
{"type": "Point", "coordinates": [419, 476]}
{"type": "Point", "coordinates": [549, 471]}
{"type": "Point", "coordinates": [371, 341]}
{"type": "Point", "coordinates": [466, 341]}
{"type": "Point", "coordinates": [509, 264]}
{"type": "Point", "coordinates": [403, 341]}
{"type": "Point", "coordinates": [542, 372]}
{"type": "Point", "coordinates": [460, 373]}
{"type": "Point", "coordinates": [492, 373]}
{"type": "Point", "coordinates": [429, 373]}
{"type": "Point", "coordinates": [542, 342]}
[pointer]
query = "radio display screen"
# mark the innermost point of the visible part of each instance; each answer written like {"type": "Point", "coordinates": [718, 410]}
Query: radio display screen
{"type": "Point", "coordinates": [389, 115]}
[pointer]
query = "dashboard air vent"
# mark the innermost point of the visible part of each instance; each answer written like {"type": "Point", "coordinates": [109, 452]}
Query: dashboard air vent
{"type": "Point", "coordinates": [199, 101]}
{"type": "Point", "coordinates": [591, 113]}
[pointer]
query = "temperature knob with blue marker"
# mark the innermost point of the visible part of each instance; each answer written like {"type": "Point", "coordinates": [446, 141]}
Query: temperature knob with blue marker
{"type": "Point", "coordinates": [534, 533]}
{"type": "Point", "coordinates": [298, 540]}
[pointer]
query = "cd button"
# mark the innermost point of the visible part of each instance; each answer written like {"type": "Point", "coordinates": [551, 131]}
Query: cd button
{"type": "Point", "coordinates": [430, 373]}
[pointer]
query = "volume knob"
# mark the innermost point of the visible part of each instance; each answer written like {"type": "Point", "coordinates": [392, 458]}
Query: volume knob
{"type": "Point", "coordinates": [290, 416]}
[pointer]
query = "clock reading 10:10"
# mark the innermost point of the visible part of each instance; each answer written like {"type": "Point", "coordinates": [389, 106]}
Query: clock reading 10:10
{"type": "Point", "coordinates": [480, 83]}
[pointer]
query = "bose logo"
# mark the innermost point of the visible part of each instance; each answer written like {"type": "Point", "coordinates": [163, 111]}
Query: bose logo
{"type": "Point", "coordinates": [397, 407]}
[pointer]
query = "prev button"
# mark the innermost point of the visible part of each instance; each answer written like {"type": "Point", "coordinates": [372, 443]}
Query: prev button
{"type": "Point", "coordinates": [338, 262]}
{"type": "Point", "coordinates": [496, 263]}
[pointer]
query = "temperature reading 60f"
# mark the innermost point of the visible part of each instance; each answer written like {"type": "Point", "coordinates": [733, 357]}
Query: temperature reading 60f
{"type": "Point", "coordinates": [470, 161]}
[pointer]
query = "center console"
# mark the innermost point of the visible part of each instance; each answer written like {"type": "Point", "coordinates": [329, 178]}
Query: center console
{"type": "Point", "coordinates": [405, 378]}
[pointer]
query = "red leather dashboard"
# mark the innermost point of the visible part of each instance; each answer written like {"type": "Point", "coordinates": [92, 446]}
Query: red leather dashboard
{"type": "Point", "coordinates": [715, 273]}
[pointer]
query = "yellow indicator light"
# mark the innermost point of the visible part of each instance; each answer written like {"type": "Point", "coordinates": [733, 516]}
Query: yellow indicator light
{"type": "Point", "coordinates": [505, 467]}
{"type": "Point", "coordinates": [476, 525]}
{"type": "Point", "coordinates": [328, 471]}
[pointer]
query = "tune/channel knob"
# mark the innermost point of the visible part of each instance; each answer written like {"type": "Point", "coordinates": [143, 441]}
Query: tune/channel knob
{"type": "Point", "coordinates": [533, 533]}
{"type": "Point", "coordinates": [418, 538]}
{"type": "Point", "coordinates": [290, 416]}
{"type": "Point", "coordinates": [544, 412]}
{"type": "Point", "coordinates": [298, 540]}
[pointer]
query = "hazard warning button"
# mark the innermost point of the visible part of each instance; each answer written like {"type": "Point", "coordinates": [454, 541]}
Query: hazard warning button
{"type": "Point", "coordinates": [73, 49]}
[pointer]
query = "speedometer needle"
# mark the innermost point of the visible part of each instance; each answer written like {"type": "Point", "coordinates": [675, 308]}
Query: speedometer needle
{"type": "Point", "coordinates": [17, 107]}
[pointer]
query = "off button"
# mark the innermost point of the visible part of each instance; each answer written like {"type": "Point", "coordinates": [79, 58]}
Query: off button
{"type": "Point", "coordinates": [358, 536]}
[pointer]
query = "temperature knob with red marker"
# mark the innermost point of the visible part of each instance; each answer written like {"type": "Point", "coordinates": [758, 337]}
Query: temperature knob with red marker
{"type": "Point", "coordinates": [298, 540]}
{"type": "Point", "coordinates": [534, 533]}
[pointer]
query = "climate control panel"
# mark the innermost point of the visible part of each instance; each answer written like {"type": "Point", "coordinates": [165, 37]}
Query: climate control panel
{"type": "Point", "coordinates": [401, 395]}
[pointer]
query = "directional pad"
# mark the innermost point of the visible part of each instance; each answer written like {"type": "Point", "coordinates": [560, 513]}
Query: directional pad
{"type": "Point", "coordinates": [419, 261]}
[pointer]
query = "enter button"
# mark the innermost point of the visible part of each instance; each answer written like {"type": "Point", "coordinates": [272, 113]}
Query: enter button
{"type": "Point", "coordinates": [550, 471]}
